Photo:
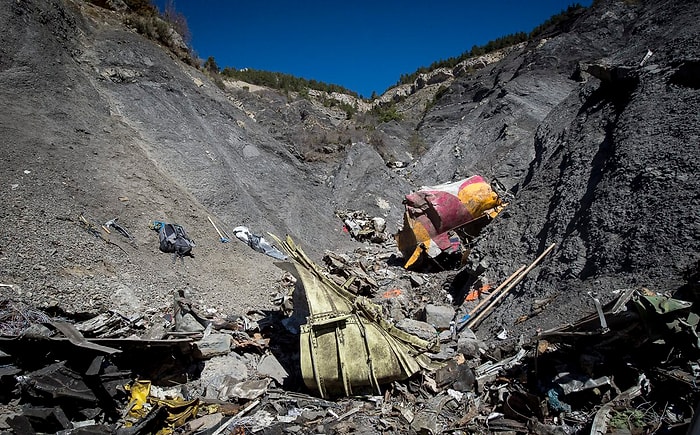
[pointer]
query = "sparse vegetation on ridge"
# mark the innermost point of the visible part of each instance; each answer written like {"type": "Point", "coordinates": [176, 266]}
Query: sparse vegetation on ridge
{"type": "Point", "coordinates": [496, 44]}
{"type": "Point", "coordinates": [282, 81]}
{"type": "Point", "coordinates": [163, 27]}
{"type": "Point", "coordinates": [169, 27]}
{"type": "Point", "coordinates": [386, 112]}
{"type": "Point", "coordinates": [287, 82]}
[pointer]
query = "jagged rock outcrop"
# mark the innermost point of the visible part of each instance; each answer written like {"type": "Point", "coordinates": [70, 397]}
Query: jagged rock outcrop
{"type": "Point", "coordinates": [591, 160]}
{"type": "Point", "coordinates": [439, 75]}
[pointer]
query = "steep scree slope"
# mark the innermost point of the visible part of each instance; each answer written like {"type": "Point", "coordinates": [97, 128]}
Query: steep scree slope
{"type": "Point", "coordinates": [100, 121]}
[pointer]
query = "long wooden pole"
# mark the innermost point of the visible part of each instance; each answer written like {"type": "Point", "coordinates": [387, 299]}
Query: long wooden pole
{"type": "Point", "coordinates": [214, 225]}
{"type": "Point", "coordinates": [493, 293]}
{"type": "Point", "coordinates": [473, 323]}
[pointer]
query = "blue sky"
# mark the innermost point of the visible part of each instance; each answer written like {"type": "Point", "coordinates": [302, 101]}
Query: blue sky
{"type": "Point", "coordinates": [362, 45]}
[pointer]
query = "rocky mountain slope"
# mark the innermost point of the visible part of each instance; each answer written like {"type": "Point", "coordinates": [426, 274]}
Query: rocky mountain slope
{"type": "Point", "coordinates": [609, 143]}
{"type": "Point", "coordinates": [598, 154]}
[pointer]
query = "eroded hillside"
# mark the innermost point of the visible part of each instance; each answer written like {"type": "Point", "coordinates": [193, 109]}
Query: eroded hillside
{"type": "Point", "coordinates": [591, 133]}
{"type": "Point", "coordinates": [597, 154]}
{"type": "Point", "coordinates": [106, 123]}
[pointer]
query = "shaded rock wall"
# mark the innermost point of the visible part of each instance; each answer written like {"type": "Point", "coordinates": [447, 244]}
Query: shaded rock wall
{"type": "Point", "coordinates": [604, 168]}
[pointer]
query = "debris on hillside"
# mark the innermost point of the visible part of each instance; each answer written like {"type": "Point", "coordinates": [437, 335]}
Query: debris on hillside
{"type": "Point", "coordinates": [258, 243]}
{"type": "Point", "coordinates": [342, 269]}
{"type": "Point", "coordinates": [347, 345]}
{"type": "Point", "coordinates": [434, 214]}
{"type": "Point", "coordinates": [362, 227]}
{"type": "Point", "coordinates": [593, 139]}
{"type": "Point", "coordinates": [94, 229]}
{"type": "Point", "coordinates": [112, 223]}
{"type": "Point", "coordinates": [507, 286]}
{"type": "Point", "coordinates": [173, 239]}
{"type": "Point", "coordinates": [223, 235]}
{"type": "Point", "coordinates": [387, 362]}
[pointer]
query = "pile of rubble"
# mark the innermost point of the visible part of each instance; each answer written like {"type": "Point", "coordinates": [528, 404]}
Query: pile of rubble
{"type": "Point", "coordinates": [362, 227]}
{"type": "Point", "coordinates": [630, 367]}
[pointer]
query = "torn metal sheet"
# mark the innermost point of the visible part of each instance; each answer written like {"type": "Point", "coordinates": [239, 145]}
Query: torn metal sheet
{"type": "Point", "coordinates": [270, 366]}
{"type": "Point", "coordinates": [490, 368]}
{"type": "Point", "coordinates": [45, 419]}
{"type": "Point", "coordinates": [599, 310]}
{"type": "Point", "coordinates": [434, 211]}
{"type": "Point", "coordinates": [57, 381]}
{"type": "Point", "coordinates": [630, 309]}
{"type": "Point", "coordinates": [341, 267]}
{"type": "Point", "coordinates": [571, 384]}
{"type": "Point", "coordinates": [426, 420]}
{"type": "Point", "coordinates": [363, 227]}
{"type": "Point", "coordinates": [16, 343]}
{"type": "Point", "coordinates": [77, 339]}
{"type": "Point", "coordinates": [250, 389]}
{"type": "Point", "coordinates": [258, 243]}
{"type": "Point", "coordinates": [177, 410]}
{"type": "Point", "coordinates": [347, 347]}
{"type": "Point", "coordinates": [111, 324]}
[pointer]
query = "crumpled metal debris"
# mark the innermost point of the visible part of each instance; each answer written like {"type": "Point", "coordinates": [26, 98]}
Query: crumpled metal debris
{"type": "Point", "coordinates": [639, 374]}
{"type": "Point", "coordinates": [433, 212]}
{"type": "Point", "coordinates": [344, 269]}
{"type": "Point", "coordinates": [258, 243]}
{"type": "Point", "coordinates": [362, 227]}
{"type": "Point", "coordinates": [347, 346]}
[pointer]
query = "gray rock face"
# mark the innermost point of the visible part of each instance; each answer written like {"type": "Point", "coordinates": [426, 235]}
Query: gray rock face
{"type": "Point", "coordinates": [593, 152]}
{"type": "Point", "coordinates": [424, 330]}
{"type": "Point", "coordinates": [213, 345]}
{"type": "Point", "coordinates": [470, 347]}
{"type": "Point", "coordinates": [586, 159]}
{"type": "Point", "coordinates": [440, 316]}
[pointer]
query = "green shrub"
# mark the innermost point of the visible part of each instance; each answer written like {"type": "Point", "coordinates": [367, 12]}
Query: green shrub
{"type": "Point", "coordinates": [142, 7]}
{"type": "Point", "coordinates": [349, 109]}
{"type": "Point", "coordinates": [282, 81]}
{"type": "Point", "coordinates": [219, 83]}
{"type": "Point", "coordinates": [211, 66]}
{"type": "Point", "coordinates": [555, 22]}
{"type": "Point", "coordinates": [386, 112]}
{"type": "Point", "coordinates": [144, 17]}
{"type": "Point", "coordinates": [162, 30]}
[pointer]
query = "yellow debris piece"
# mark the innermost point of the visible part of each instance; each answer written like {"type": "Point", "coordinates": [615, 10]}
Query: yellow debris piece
{"type": "Point", "coordinates": [179, 410]}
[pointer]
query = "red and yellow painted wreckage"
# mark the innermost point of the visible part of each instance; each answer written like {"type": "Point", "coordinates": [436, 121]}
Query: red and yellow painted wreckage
{"type": "Point", "coordinates": [432, 212]}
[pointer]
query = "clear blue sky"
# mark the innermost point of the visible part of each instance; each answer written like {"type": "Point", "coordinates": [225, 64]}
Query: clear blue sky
{"type": "Point", "coordinates": [362, 45]}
